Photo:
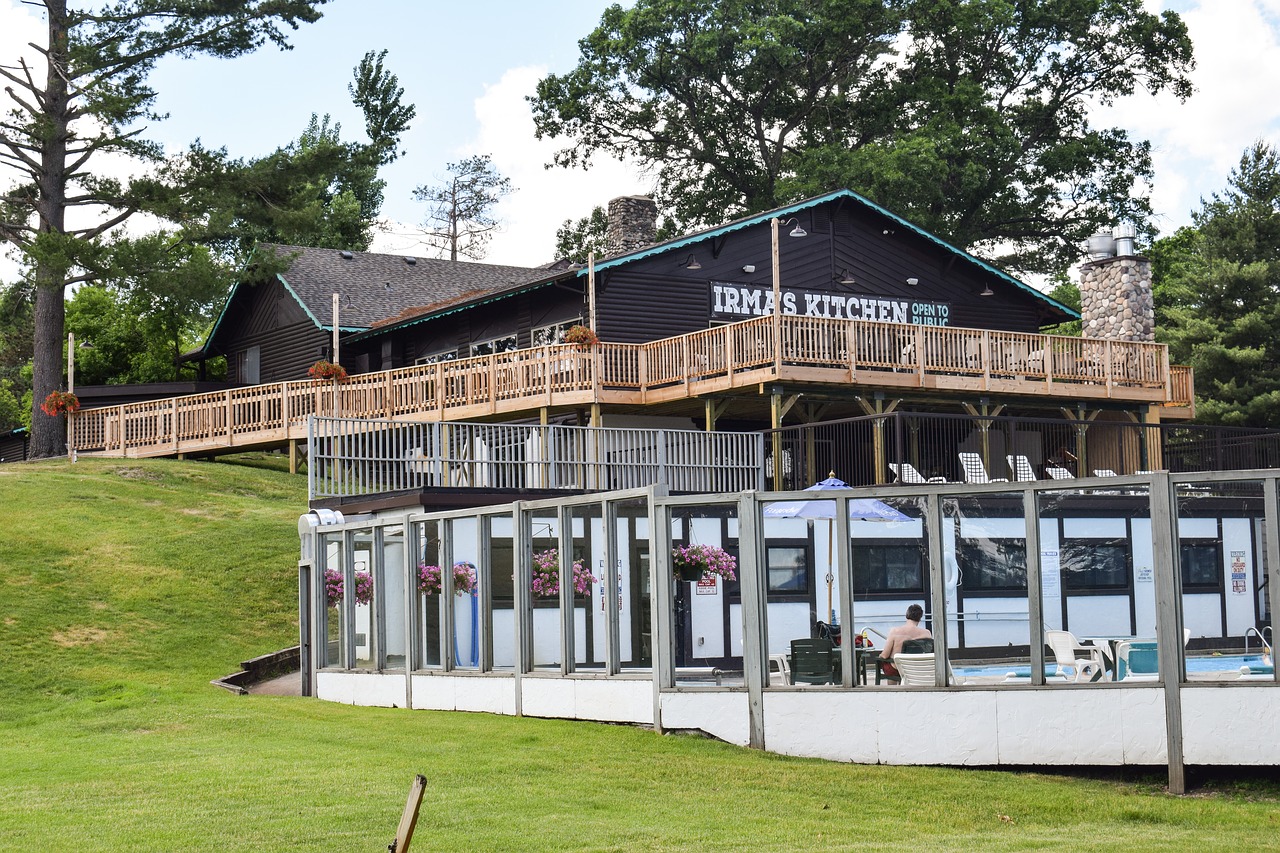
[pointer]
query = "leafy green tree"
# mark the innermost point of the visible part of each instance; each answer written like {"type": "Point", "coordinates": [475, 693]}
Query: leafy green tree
{"type": "Point", "coordinates": [10, 407]}
{"type": "Point", "coordinates": [461, 220]}
{"type": "Point", "coordinates": [92, 99]}
{"type": "Point", "coordinates": [576, 239]}
{"type": "Point", "coordinates": [316, 191]}
{"type": "Point", "coordinates": [1218, 292]}
{"type": "Point", "coordinates": [970, 118]}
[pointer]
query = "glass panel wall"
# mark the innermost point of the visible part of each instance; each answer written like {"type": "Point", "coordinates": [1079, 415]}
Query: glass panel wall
{"type": "Point", "coordinates": [365, 623]}
{"type": "Point", "coordinates": [985, 560]}
{"type": "Point", "coordinates": [888, 556]}
{"type": "Point", "coordinates": [707, 598]}
{"type": "Point", "coordinates": [390, 582]}
{"type": "Point", "coordinates": [462, 536]}
{"type": "Point", "coordinates": [332, 548]}
{"type": "Point", "coordinates": [1222, 563]}
{"type": "Point", "coordinates": [589, 640]}
{"type": "Point", "coordinates": [428, 586]}
{"type": "Point", "coordinates": [544, 586]}
{"type": "Point", "coordinates": [1097, 581]}
{"type": "Point", "coordinates": [500, 573]}
{"type": "Point", "coordinates": [634, 592]}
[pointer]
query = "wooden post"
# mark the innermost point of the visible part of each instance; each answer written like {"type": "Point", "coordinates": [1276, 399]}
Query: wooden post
{"type": "Point", "coordinates": [777, 308]}
{"type": "Point", "coordinates": [409, 819]}
{"type": "Point", "coordinates": [775, 418]}
{"type": "Point", "coordinates": [591, 292]}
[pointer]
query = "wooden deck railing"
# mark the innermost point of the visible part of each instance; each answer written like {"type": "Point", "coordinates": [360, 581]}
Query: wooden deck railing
{"type": "Point", "coordinates": [814, 349]}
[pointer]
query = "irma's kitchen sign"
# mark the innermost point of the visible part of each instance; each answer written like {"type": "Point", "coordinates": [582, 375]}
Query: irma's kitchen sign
{"type": "Point", "coordinates": [731, 301]}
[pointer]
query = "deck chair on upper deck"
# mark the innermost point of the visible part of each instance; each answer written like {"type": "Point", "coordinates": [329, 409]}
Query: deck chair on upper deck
{"type": "Point", "coordinates": [1021, 469]}
{"type": "Point", "coordinates": [975, 471]}
{"type": "Point", "coordinates": [905, 472]}
{"type": "Point", "coordinates": [1103, 472]}
{"type": "Point", "coordinates": [1057, 473]}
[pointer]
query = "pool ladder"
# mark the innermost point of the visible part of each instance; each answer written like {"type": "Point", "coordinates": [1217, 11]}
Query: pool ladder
{"type": "Point", "coordinates": [1262, 638]}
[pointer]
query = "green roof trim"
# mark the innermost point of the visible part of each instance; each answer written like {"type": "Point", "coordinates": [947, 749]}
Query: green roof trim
{"type": "Point", "coordinates": [783, 212]}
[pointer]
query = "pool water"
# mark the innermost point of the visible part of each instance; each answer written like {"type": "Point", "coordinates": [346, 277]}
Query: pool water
{"type": "Point", "coordinates": [1202, 664]}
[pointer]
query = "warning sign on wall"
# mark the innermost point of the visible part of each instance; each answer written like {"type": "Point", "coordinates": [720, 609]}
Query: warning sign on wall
{"type": "Point", "coordinates": [706, 585]}
{"type": "Point", "coordinates": [1238, 583]}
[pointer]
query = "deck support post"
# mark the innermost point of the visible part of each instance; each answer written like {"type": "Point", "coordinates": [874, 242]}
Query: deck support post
{"type": "Point", "coordinates": [1151, 437]}
{"type": "Point", "coordinates": [293, 455]}
{"type": "Point", "coordinates": [879, 449]}
{"type": "Point", "coordinates": [984, 412]}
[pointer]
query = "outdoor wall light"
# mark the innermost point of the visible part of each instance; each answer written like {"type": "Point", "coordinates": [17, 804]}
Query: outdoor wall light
{"type": "Point", "coordinates": [748, 268]}
{"type": "Point", "coordinates": [845, 277]}
{"type": "Point", "coordinates": [795, 232]}
{"type": "Point", "coordinates": [987, 291]}
{"type": "Point", "coordinates": [913, 281]}
{"type": "Point", "coordinates": [692, 263]}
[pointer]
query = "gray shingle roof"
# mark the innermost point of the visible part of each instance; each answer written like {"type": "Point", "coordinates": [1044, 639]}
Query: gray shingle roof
{"type": "Point", "coordinates": [374, 288]}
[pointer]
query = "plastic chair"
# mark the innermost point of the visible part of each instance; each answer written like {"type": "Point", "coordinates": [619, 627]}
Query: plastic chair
{"type": "Point", "coordinates": [1021, 468]}
{"type": "Point", "coordinates": [916, 669]}
{"type": "Point", "coordinates": [905, 472]}
{"type": "Point", "coordinates": [975, 471]}
{"type": "Point", "coordinates": [812, 661]}
{"type": "Point", "coordinates": [1066, 652]}
{"type": "Point", "coordinates": [1103, 472]}
{"type": "Point", "coordinates": [1057, 473]}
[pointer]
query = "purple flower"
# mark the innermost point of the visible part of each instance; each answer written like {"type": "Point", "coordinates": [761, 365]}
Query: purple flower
{"type": "Point", "coordinates": [708, 559]}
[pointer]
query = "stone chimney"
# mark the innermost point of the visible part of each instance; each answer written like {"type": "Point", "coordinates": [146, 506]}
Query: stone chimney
{"type": "Point", "coordinates": [633, 224]}
{"type": "Point", "coordinates": [1115, 291]}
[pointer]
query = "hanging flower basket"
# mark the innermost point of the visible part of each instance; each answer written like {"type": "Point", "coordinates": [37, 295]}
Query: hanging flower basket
{"type": "Point", "coordinates": [546, 575]}
{"type": "Point", "coordinates": [327, 370]}
{"type": "Point", "coordinates": [694, 562]}
{"type": "Point", "coordinates": [333, 587]}
{"type": "Point", "coordinates": [582, 337]}
{"type": "Point", "coordinates": [429, 580]}
{"type": "Point", "coordinates": [60, 403]}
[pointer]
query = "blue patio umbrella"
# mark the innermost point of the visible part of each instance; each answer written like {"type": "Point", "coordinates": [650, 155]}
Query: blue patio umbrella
{"type": "Point", "coordinates": [860, 509]}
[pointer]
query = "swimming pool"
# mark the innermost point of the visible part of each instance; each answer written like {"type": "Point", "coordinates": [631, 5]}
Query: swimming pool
{"type": "Point", "coordinates": [1198, 665]}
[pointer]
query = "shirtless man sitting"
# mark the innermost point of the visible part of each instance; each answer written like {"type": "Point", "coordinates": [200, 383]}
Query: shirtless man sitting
{"type": "Point", "coordinates": [893, 643]}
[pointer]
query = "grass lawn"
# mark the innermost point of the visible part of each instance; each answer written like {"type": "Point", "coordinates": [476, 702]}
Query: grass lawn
{"type": "Point", "coordinates": [127, 585]}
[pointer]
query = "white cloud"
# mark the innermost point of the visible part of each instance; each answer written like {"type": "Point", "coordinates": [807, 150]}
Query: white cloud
{"type": "Point", "coordinates": [1196, 144]}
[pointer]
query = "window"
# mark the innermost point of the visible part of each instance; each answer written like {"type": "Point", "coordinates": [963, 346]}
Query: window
{"type": "Point", "coordinates": [992, 565]}
{"type": "Point", "coordinates": [1201, 561]}
{"type": "Point", "coordinates": [888, 566]}
{"type": "Point", "coordinates": [496, 345]}
{"type": "Point", "coordinates": [553, 334]}
{"type": "Point", "coordinates": [435, 358]}
{"type": "Point", "coordinates": [787, 566]}
{"type": "Point", "coordinates": [1095, 564]}
{"type": "Point", "coordinates": [247, 366]}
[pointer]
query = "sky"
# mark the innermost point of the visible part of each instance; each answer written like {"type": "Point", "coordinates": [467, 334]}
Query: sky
{"type": "Point", "coordinates": [469, 66]}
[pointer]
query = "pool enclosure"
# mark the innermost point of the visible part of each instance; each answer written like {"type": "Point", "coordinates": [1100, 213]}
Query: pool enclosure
{"type": "Point", "coordinates": [573, 607]}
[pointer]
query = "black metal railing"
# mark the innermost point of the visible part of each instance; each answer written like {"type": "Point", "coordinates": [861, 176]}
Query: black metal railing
{"type": "Point", "coordinates": [859, 450]}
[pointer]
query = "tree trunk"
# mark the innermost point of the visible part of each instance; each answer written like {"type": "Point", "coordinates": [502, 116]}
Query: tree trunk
{"type": "Point", "coordinates": [48, 434]}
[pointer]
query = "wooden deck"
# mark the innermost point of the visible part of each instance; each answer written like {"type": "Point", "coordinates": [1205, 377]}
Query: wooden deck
{"type": "Point", "coordinates": [813, 350]}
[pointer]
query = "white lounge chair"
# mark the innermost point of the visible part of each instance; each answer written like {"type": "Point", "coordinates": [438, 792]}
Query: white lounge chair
{"type": "Point", "coordinates": [905, 472]}
{"type": "Point", "coordinates": [1103, 472]}
{"type": "Point", "coordinates": [1021, 469]}
{"type": "Point", "coordinates": [1086, 662]}
{"type": "Point", "coordinates": [975, 471]}
{"type": "Point", "coordinates": [1057, 473]}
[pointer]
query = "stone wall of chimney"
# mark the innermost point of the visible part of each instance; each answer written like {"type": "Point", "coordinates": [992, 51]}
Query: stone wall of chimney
{"type": "Point", "coordinates": [1116, 300]}
{"type": "Point", "coordinates": [633, 224]}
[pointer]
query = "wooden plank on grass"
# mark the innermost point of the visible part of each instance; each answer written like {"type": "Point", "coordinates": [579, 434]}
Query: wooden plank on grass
{"type": "Point", "coordinates": [408, 820]}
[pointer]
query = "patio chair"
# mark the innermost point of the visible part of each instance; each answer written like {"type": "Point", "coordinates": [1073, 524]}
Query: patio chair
{"type": "Point", "coordinates": [905, 472]}
{"type": "Point", "coordinates": [1103, 472]}
{"type": "Point", "coordinates": [1085, 661]}
{"type": "Point", "coordinates": [975, 471]}
{"type": "Point", "coordinates": [1021, 469]}
{"type": "Point", "coordinates": [1138, 661]}
{"type": "Point", "coordinates": [812, 661]}
{"type": "Point", "coordinates": [1057, 473]}
{"type": "Point", "coordinates": [915, 669]}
